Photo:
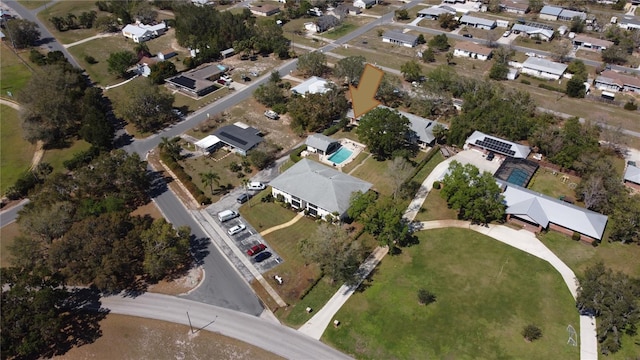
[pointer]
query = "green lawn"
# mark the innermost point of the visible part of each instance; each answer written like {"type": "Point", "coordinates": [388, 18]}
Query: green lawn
{"type": "Point", "coordinates": [14, 74]}
{"type": "Point", "coordinates": [262, 216]}
{"type": "Point", "coordinates": [56, 157]}
{"type": "Point", "coordinates": [435, 208]}
{"type": "Point", "coordinates": [377, 173]}
{"type": "Point", "coordinates": [15, 152]}
{"type": "Point", "coordinates": [340, 31]}
{"type": "Point", "coordinates": [486, 293]}
{"type": "Point", "coordinates": [61, 9]}
{"type": "Point", "coordinates": [545, 182]}
{"type": "Point", "coordinates": [33, 4]}
{"type": "Point", "coordinates": [100, 49]}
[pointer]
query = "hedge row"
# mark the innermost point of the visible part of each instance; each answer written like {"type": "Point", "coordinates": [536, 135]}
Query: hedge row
{"type": "Point", "coordinates": [295, 155]}
{"type": "Point", "coordinates": [185, 178]}
{"type": "Point", "coordinates": [551, 87]}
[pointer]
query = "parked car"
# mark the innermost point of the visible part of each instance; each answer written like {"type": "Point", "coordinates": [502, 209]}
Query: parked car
{"type": "Point", "coordinates": [262, 256]}
{"type": "Point", "coordinates": [468, 35]}
{"type": "Point", "coordinates": [256, 249]}
{"type": "Point", "coordinates": [236, 229]}
{"type": "Point", "coordinates": [243, 198]}
{"type": "Point", "coordinates": [491, 156]}
{"type": "Point", "coordinates": [254, 185]}
{"type": "Point", "coordinates": [506, 33]}
{"type": "Point", "coordinates": [271, 115]}
{"type": "Point", "coordinates": [254, 74]}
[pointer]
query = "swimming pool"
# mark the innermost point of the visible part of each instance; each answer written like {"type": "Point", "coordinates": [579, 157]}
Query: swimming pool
{"type": "Point", "coordinates": [340, 156]}
{"type": "Point", "coordinates": [518, 177]}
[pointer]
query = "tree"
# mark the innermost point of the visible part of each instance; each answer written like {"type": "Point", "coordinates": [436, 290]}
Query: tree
{"type": "Point", "coordinates": [612, 297]}
{"type": "Point", "coordinates": [359, 203]}
{"type": "Point", "coordinates": [22, 33]}
{"type": "Point", "coordinates": [388, 91]}
{"type": "Point", "coordinates": [619, 5]}
{"type": "Point", "coordinates": [449, 57]}
{"type": "Point", "coordinates": [448, 21]}
{"type": "Point", "coordinates": [166, 249]}
{"type": "Point", "coordinates": [47, 222]}
{"type": "Point", "coordinates": [531, 332]}
{"type": "Point", "coordinates": [96, 128]}
{"type": "Point", "coordinates": [625, 220]}
{"type": "Point", "coordinates": [106, 23]}
{"type": "Point", "coordinates": [411, 71]}
{"type": "Point", "coordinates": [575, 87]}
{"type": "Point", "coordinates": [120, 62]}
{"type": "Point", "coordinates": [428, 55]}
{"type": "Point", "coordinates": [384, 221]}
{"type": "Point", "coordinates": [316, 112]}
{"type": "Point", "coordinates": [263, 155]}
{"type": "Point", "coordinates": [402, 14]}
{"type": "Point", "coordinates": [32, 311]}
{"type": "Point", "coordinates": [162, 70]}
{"type": "Point", "coordinates": [350, 68]}
{"type": "Point", "coordinates": [384, 131]}
{"type": "Point", "coordinates": [336, 254]}
{"type": "Point", "coordinates": [536, 5]}
{"type": "Point", "coordinates": [58, 23]}
{"type": "Point", "coordinates": [399, 168]}
{"type": "Point", "coordinates": [421, 40]}
{"type": "Point", "coordinates": [439, 132]}
{"type": "Point", "coordinates": [171, 147]}
{"type": "Point", "coordinates": [477, 196]}
{"type": "Point", "coordinates": [439, 42]}
{"type": "Point", "coordinates": [313, 63]}
{"type": "Point", "coordinates": [87, 19]}
{"type": "Point", "coordinates": [147, 108]}
{"type": "Point", "coordinates": [614, 55]}
{"type": "Point", "coordinates": [209, 178]}
{"type": "Point", "coordinates": [499, 71]}
{"type": "Point", "coordinates": [577, 24]}
{"type": "Point", "coordinates": [426, 297]}
{"type": "Point", "coordinates": [270, 94]}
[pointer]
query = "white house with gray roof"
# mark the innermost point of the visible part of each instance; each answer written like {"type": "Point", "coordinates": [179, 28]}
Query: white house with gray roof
{"type": "Point", "coordinates": [629, 22]}
{"type": "Point", "coordinates": [313, 85]}
{"type": "Point", "coordinates": [434, 12]}
{"type": "Point", "coordinates": [317, 188]}
{"type": "Point", "coordinates": [398, 38]}
{"type": "Point", "coordinates": [542, 33]}
{"type": "Point", "coordinates": [632, 176]}
{"type": "Point", "coordinates": [543, 68]}
{"type": "Point", "coordinates": [536, 209]}
{"type": "Point", "coordinates": [497, 145]}
{"type": "Point", "coordinates": [477, 22]}
{"type": "Point", "coordinates": [321, 144]}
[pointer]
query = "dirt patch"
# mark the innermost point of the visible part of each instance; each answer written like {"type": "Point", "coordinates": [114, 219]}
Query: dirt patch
{"type": "Point", "coordinates": [149, 209]}
{"type": "Point", "coordinates": [180, 285]}
{"type": "Point", "coordinates": [125, 337]}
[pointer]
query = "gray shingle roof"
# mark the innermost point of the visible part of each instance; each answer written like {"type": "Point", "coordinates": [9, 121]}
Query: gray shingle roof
{"type": "Point", "coordinates": [320, 185]}
{"type": "Point", "coordinates": [632, 174]}
{"type": "Point", "coordinates": [545, 66]}
{"type": "Point", "coordinates": [435, 11]}
{"type": "Point", "coordinates": [467, 19]}
{"type": "Point", "coordinates": [542, 209]}
{"type": "Point", "coordinates": [313, 85]}
{"type": "Point", "coordinates": [398, 36]}
{"type": "Point", "coordinates": [238, 137]}
{"type": "Point", "coordinates": [320, 141]}
{"type": "Point", "coordinates": [570, 14]}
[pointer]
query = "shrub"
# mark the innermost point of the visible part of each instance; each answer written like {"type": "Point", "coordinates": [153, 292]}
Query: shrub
{"type": "Point", "coordinates": [437, 185]}
{"type": "Point", "coordinates": [295, 155]}
{"type": "Point", "coordinates": [631, 105]}
{"type": "Point", "coordinates": [280, 108]}
{"type": "Point", "coordinates": [550, 87]}
{"type": "Point", "coordinates": [531, 332]}
{"type": "Point", "coordinates": [575, 236]}
{"type": "Point", "coordinates": [426, 297]}
{"type": "Point", "coordinates": [525, 81]}
{"type": "Point", "coordinates": [267, 198]}
{"type": "Point", "coordinates": [90, 59]}
{"type": "Point", "coordinates": [81, 158]}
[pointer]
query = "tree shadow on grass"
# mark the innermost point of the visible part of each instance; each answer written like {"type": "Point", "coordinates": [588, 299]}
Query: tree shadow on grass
{"type": "Point", "coordinates": [81, 321]}
{"type": "Point", "coordinates": [367, 282]}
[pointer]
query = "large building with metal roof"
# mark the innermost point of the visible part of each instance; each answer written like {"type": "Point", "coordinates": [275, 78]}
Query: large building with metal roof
{"type": "Point", "coordinates": [543, 68]}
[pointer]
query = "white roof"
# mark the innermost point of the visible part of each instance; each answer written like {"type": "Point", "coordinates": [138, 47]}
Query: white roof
{"type": "Point", "coordinates": [532, 30]}
{"type": "Point", "coordinates": [320, 141]}
{"type": "Point", "coordinates": [632, 174]}
{"type": "Point", "coordinates": [542, 210]}
{"type": "Point", "coordinates": [320, 185]}
{"type": "Point", "coordinates": [476, 20]}
{"type": "Point", "coordinates": [498, 145]}
{"type": "Point", "coordinates": [160, 26]}
{"type": "Point", "coordinates": [435, 11]}
{"type": "Point", "coordinates": [207, 142]}
{"type": "Point", "coordinates": [134, 30]}
{"type": "Point", "coordinates": [545, 66]}
{"type": "Point", "coordinates": [314, 85]}
{"type": "Point", "coordinates": [566, 13]}
{"type": "Point", "coordinates": [551, 10]}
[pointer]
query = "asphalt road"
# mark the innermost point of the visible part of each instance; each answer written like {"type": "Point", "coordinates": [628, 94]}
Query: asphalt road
{"type": "Point", "coordinates": [278, 339]}
{"type": "Point", "coordinates": [8, 216]}
{"type": "Point", "coordinates": [46, 38]}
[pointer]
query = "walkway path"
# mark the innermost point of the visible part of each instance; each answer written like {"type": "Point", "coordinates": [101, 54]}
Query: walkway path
{"type": "Point", "coordinates": [39, 152]}
{"type": "Point", "coordinates": [119, 84]}
{"type": "Point", "coordinates": [298, 216]}
{"type": "Point", "coordinates": [99, 36]}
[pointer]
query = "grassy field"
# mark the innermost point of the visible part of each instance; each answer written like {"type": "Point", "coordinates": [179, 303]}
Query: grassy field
{"type": "Point", "coordinates": [14, 74]}
{"type": "Point", "coordinates": [56, 157]}
{"type": "Point", "coordinates": [263, 216]}
{"type": "Point", "coordinates": [33, 4]}
{"type": "Point", "coordinates": [15, 152]}
{"type": "Point", "coordinates": [545, 182]}
{"type": "Point", "coordinates": [486, 293]}
{"type": "Point", "coordinates": [128, 337]}
{"type": "Point", "coordinates": [435, 208]}
{"type": "Point", "coordinates": [61, 9]}
{"type": "Point", "coordinates": [100, 49]}
{"type": "Point", "coordinates": [7, 236]}
{"type": "Point", "coordinates": [377, 173]}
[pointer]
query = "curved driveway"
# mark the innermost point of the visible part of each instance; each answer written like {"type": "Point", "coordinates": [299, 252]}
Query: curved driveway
{"type": "Point", "coordinates": [278, 339]}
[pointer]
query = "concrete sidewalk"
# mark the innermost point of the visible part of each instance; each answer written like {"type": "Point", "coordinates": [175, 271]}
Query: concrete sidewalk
{"type": "Point", "coordinates": [318, 323]}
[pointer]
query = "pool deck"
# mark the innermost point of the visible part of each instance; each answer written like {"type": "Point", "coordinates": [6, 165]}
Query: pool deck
{"type": "Point", "coordinates": [355, 148]}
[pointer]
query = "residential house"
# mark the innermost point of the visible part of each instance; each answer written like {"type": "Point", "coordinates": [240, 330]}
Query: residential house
{"type": "Point", "coordinates": [542, 33]}
{"type": "Point", "coordinates": [632, 176]}
{"type": "Point", "coordinates": [197, 82]}
{"type": "Point", "coordinates": [610, 80]}
{"type": "Point", "coordinates": [364, 4]}
{"type": "Point", "coordinates": [488, 143]}
{"type": "Point", "coordinates": [201, 2]}
{"type": "Point", "coordinates": [316, 188]}
{"type": "Point", "coordinates": [322, 24]}
{"type": "Point", "coordinates": [140, 33]}
{"type": "Point", "coordinates": [454, 1]}
{"type": "Point", "coordinates": [398, 38]}
{"type": "Point", "coordinates": [513, 7]}
{"type": "Point", "coordinates": [434, 12]}
{"type": "Point", "coordinates": [348, 9]}
{"type": "Point", "coordinates": [477, 22]}
{"type": "Point", "coordinates": [313, 85]}
{"type": "Point", "coordinates": [472, 50]}
{"type": "Point", "coordinates": [264, 10]}
{"type": "Point", "coordinates": [550, 13]}
{"type": "Point", "coordinates": [540, 212]}
{"type": "Point", "coordinates": [588, 42]}
{"type": "Point", "coordinates": [239, 136]}
{"type": "Point", "coordinates": [321, 144]}
{"type": "Point", "coordinates": [209, 144]}
{"type": "Point", "coordinates": [568, 15]}
{"type": "Point", "coordinates": [166, 55]}
{"type": "Point", "coordinates": [421, 128]}
{"type": "Point", "coordinates": [227, 52]}
{"type": "Point", "coordinates": [629, 22]}
{"type": "Point", "coordinates": [543, 68]}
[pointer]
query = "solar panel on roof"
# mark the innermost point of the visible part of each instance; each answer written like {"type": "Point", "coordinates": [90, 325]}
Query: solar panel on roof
{"type": "Point", "coordinates": [184, 81]}
{"type": "Point", "coordinates": [496, 145]}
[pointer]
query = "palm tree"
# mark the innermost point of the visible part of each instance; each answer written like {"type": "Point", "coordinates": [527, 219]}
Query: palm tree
{"type": "Point", "coordinates": [245, 185]}
{"type": "Point", "coordinates": [209, 178]}
{"type": "Point", "coordinates": [170, 147]}
{"type": "Point", "coordinates": [449, 57]}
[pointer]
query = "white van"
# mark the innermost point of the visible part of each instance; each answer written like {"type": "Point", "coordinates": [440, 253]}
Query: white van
{"type": "Point", "coordinates": [227, 215]}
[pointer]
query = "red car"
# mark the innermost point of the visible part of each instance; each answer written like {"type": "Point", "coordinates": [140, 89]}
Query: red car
{"type": "Point", "coordinates": [256, 249]}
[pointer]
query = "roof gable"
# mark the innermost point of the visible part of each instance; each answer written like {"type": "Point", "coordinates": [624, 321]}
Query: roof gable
{"type": "Point", "coordinates": [238, 137]}
{"type": "Point", "coordinates": [320, 141]}
{"type": "Point", "coordinates": [313, 85]}
{"type": "Point", "coordinates": [544, 65]}
{"type": "Point", "coordinates": [398, 36]}
{"type": "Point", "coordinates": [632, 174]}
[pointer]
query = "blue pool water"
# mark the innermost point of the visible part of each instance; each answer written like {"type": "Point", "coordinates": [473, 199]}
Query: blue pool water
{"type": "Point", "coordinates": [518, 177]}
{"type": "Point", "coordinates": [341, 155]}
